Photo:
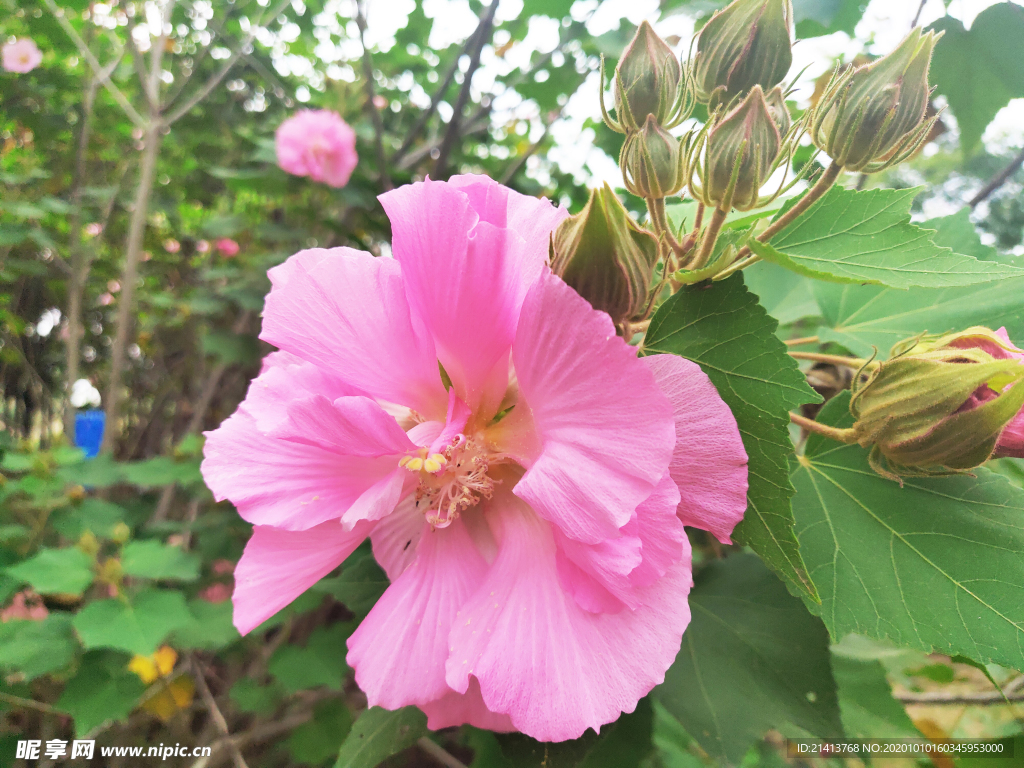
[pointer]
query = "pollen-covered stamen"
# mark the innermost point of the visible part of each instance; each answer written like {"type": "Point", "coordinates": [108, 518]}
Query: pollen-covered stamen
{"type": "Point", "coordinates": [453, 480]}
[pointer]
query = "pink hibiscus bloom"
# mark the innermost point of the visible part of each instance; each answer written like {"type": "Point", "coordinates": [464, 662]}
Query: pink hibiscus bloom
{"type": "Point", "coordinates": [227, 247]}
{"type": "Point", "coordinates": [1011, 440]}
{"type": "Point", "coordinates": [318, 144]}
{"type": "Point", "coordinates": [530, 518]}
{"type": "Point", "coordinates": [21, 56]}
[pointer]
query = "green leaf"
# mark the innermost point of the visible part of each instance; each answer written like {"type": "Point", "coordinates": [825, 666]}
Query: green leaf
{"type": "Point", "coordinates": [150, 559]}
{"type": "Point", "coordinates": [785, 295]}
{"type": "Point", "coordinates": [956, 231]}
{"type": "Point", "coordinates": [626, 743]}
{"type": "Point", "coordinates": [815, 18]}
{"type": "Point", "coordinates": [251, 696]}
{"type": "Point", "coordinates": [34, 648]}
{"type": "Point", "coordinates": [676, 748]}
{"type": "Point", "coordinates": [865, 700]}
{"type": "Point", "coordinates": [161, 470]}
{"type": "Point", "coordinates": [102, 691]}
{"type": "Point", "coordinates": [935, 565]}
{"type": "Point", "coordinates": [316, 741]}
{"type": "Point", "coordinates": [359, 585]}
{"type": "Point", "coordinates": [979, 71]}
{"type": "Point", "coordinates": [138, 627]}
{"type": "Point", "coordinates": [321, 662]}
{"type": "Point", "coordinates": [723, 329]}
{"type": "Point", "coordinates": [752, 659]}
{"type": "Point", "coordinates": [866, 237]}
{"type": "Point", "coordinates": [56, 571]}
{"type": "Point", "coordinates": [95, 515]}
{"type": "Point", "coordinates": [101, 472]}
{"type": "Point", "coordinates": [210, 628]}
{"type": "Point", "coordinates": [380, 733]}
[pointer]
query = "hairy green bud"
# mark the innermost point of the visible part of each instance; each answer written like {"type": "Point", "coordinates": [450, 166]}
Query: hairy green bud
{"type": "Point", "coordinates": [747, 43]}
{"type": "Point", "coordinates": [606, 257]}
{"type": "Point", "coordinates": [652, 162]}
{"type": "Point", "coordinates": [741, 152]}
{"type": "Point", "coordinates": [874, 116]}
{"type": "Point", "coordinates": [777, 108]}
{"type": "Point", "coordinates": [648, 79]}
{"type": "Point", "coordinates": [938, 405]}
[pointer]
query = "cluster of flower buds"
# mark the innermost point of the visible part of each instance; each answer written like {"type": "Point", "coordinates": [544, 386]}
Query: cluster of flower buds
{"type": "Point", "coordinates": [606, 257]}
{"type": "Point", "coordinates": [873, 117]}
{"type": "Point", "coordinates": [941, 405]}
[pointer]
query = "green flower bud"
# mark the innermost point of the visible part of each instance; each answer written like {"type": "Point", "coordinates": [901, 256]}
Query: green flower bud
{"type": "Point", "coordinates": [652, 162]}
{"type": "Point", "coordinates": [747, 43]}
{"type": "Point", "coordinates": [603, 254]}
{"type": "Point", "coordinates": [873, 117]}
{"type": "Point", "coordinates": [939, 405]}
{"type": "Point", "coordinates": [647, 80]}
{"type": "Point", "coordinates": [741, 153]}
{"type": "Point", "coordinates": [778, 110]}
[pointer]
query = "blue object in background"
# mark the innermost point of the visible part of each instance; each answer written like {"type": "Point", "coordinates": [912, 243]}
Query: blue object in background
{"type": "Point", "coordinates": [89, 431]}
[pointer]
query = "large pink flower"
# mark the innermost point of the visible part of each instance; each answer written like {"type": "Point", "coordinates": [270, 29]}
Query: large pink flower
{"type": "Point", "coordinates": [524, 477]}
{"type": "Point", "coordinates": [318, 144]}
{"type": "Point", "coordinates": [21, 56]}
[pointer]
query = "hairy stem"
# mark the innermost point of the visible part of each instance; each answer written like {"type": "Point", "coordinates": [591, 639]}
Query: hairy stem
{"type": "Point", "coordinates": [850, 362]}
{"type": "Point", "coordinates": [707, 245]}
{"type": "Point", "coordinates": [833, 433]}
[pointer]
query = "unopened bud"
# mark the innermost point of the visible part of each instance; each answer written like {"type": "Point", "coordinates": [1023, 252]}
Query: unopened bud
{"type": "Point", "coordinates": [747, 43]}
{"type": "Point", "coordinates": [89, 544]}
{"type": "Point", "coordinates": [939, 405]}
{"type": "Point", "coordinates": [76, 493]}
{"type": "Point", "coordinates": [120, 533]}
{"type": "Point", "coordinates": [647, 80]}
{"type": "Point", "coordinates": [603, 254]}
{"type": "Point", "coordinates": [777, 108]}
{"type": "Point", "coordinates": [741, 153]}
{"type": "Point", "coordinates": [873, 117]}
{"type": "Point", "coordinates": [652, 162]}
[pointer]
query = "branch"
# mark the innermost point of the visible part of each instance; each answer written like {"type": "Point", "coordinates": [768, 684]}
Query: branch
{"type": "Point", "coordinates": [524, 156]}
{"type": "Point", "coordinates": [460, 104]}
{"type": "Point", "coordinates": [214, 81]}
{"type": "Point", "coordinates": [439, 753]}
{"type": "Point", "coordinates": [101, 73]}
{"type": "Point", "coordinates": [216, 714]}
{"type": "Point", "coordinates": [18, 701]}
{"type": "Point", "coordinates": [371, 103]}
{"type": "Point", "coordinates": [998, 180]}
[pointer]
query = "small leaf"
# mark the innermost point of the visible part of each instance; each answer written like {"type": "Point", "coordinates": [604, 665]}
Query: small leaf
{"type": "Point", "coordinates": [314, 742]}
{"type": "Point", "coordinates": [139, 627]}
{"type": "Point", "coordinates": [251, 696]}
{"type": "Point", "coordinates": [56, 571]}
{"type": "Point", "coordinates": [866, 236]}
{"type": "Point", "coordinates": [722, 328]}
{"type": "Point", "coordinates": [34, 648]}
{"type": "Point", "coordinates": [934, 565]}
{"type": "Point", "coordinates": [321, 662]}
{"type": "Point", "coordinates": [210, 628]}
{"type": "Point", "coordinates": [865, 699]}
{"type": "Point", "coordinates": [752, 659]}
{"type": "Point", "coordinates": [151, 559]}
{"type": "Point", "coordinates": [102, 691]}
{"type": "Point", "coordinates": [359, 585]}
{"type": "Point", "coordinates": [380, 733]}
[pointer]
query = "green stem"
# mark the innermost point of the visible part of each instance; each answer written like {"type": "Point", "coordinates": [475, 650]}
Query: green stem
{"type": "Point", "coordinates": [833, 433]}
{"type": "Point", "coordinates": [707, 244]}
{"type": "Point", "coordinates": [850, 362]}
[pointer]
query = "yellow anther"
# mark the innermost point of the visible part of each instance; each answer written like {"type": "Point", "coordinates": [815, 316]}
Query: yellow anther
{"type": "Point", "coordinates": [431, 465]}
{"type": "Point", "coordinates": [404, 461]}
{"type": "Point", "coordinates": [439, 458]}
{"type": "Point", "coordinates": [415, 463]}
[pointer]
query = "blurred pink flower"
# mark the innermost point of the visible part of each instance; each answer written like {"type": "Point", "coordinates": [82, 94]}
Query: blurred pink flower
{"type": "Point", "coordinates": [380, 102]}
{"type": "Point", "coordinates": [93, 229]}
{"type": "Point", "coordinates": [222, 566]}
{"type": "Point", "coordinates": [171, 245]}
{"type": "Point", "coordinates": [216, 593]}
{"type": "Point", "coordinates": [318, 144]}
{"type": "Point", "coordinates": [21, 56]}
{"type": "Point", "coordinates": [202, 246]}
{"type": "Point", "coordinates": [227, 247]}
{"type": "Point", "coordinates": [113, 286]}
{"type": "Point", "coordinates": [530, 517]}
{"type": "Point", "coordinates": [105, 300]}
{"type": "Point", "coordinates": [25, 605]}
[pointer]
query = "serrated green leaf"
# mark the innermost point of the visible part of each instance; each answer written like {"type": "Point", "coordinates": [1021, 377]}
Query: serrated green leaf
{"type": "Point", "coordinates": [784, 294]}
{"type": "Point", "coordinates": [956, 231]}
{"type": "Point", "coordinates": [723, 329]}
{"type": "Point", "coordinates": [138, 627]}
{"type": "Point", "coordinates": [56, 571]}
{"type": "Point", "coordinates": [380, 733]}
{"type": "Point", "coordinates": [102, 691]}
{"type": "Point", "coordinates": [359, 585]}
{"type": "Point", "coordinates": [865, 700]}
{"type": "Point", "coordinates": [935, 565]}
{"type": "Point", "coordinates": [815, 18]}
{"type": "Point", "coordinates": [210, 628]}
{"type": "Point", "coordinates": [251, 696]}
{"type": "Point", "coordinates": [979, 71]}
{"type": "Point", "coordinates": [151, 559]}
{"type": "Point", "coordinates": [752, 659]}
{"type": "Point", "coordinates": [866, 236]}
{"type": "Point", "coordinates": [97, 516]}
{"type": "Point", "coordinates": [34, 648]}
{"type": "Point", "coordinates": [320, 663]}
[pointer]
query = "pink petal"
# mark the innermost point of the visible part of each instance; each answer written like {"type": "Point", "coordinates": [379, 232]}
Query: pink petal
{"type": "Point", "coordinates": [399, 651]}
{"type": "Point", "coordinates": [1005, 351]}
{"type": "Point", "coordinates": [554, 668]}
{"type": "Point", "coordinates": [354, 426]}
{"type": "Point", "coordinates": [709, 463]}
{"type": "Point", "coordinates": [604, 427]}
{"type": "Point", "coordinates": [346, 311]}
{"type": "Point", "coordinates": [467, 279]}
{"type": "Point", "coordinates": [284, 378]}
{"type": "Point", "coordinates": [454, 709]}
{"type": "Point", "coordinates": [396, 537]}
{"type": "Point", "coordinates": [281, 482]}
{"type": "Point", "coordinates": [1011, 441]}
{"type": "Point", "coordinates": [277, 566]}
{"type": "Point", "coordinates": [661, 533]}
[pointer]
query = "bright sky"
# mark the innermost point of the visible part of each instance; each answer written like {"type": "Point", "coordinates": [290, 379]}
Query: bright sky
{"type": "Point", "coordinates": [884, 24]}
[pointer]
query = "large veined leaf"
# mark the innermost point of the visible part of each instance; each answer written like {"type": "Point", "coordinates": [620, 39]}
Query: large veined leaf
{"type": "Point", "coordinates": [935, 565]}
{"type": "Point", "coordinates": [752, 658]}
{"type": "Point", "coordinates": [868, 708]}
{"type": "Point", "coordinates": [137, 627]}
{"type": "Point", "coordinates": [55, 571]}
{"type": "Point", "coordinates": [784, 294]}
{"type": "Point", "coordinates": [980, 70]}
{"type": "Point", "coordinates": [866, 237]}
{"type": "Point", "coordinates": [722, 328]}
{"type": "Point", "coordinates": [378, 734]}
{"type": "Point", "coordinates": [825, 17]}
{"type": "Point", "coordinates": [103, 690]}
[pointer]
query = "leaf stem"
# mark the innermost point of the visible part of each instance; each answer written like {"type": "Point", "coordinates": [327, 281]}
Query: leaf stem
{"type": "Point", "coordinates": [802, 340]}
{"type": "Point", "coordinates": [848, 435]}
{"type": "Point", "coordinates": [849, 362]}
{"type": "Point", "coordinates": [707, 245]}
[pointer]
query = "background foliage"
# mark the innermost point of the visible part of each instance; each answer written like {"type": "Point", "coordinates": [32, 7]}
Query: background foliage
{"type": "Point", "coordinates": [859, 616]}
